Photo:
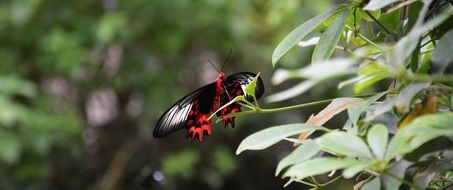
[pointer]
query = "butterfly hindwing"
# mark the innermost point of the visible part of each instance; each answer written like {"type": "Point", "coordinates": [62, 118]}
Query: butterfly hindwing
{"type": "Point", "coordinates": [243, 79]}
{"type": "Point", "coordinates": [235, 85]}
{"type": "Point", "coordinates": [176, 117]}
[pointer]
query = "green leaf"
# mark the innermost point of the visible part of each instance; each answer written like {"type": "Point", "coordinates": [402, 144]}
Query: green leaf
{"type": "Point", "coordinates": [354, 112]}
{"type": "Point", "coordinates": [442, 55]}
{"type": "Point", "coordinates": [407, 94]}
{"type": "Point", "coordinates": [317, 166]}
{"type": "Point", "coordinates": [267, 137]}
{"type": "Point", "coordinates": [378, 4]}
{"type": "Point", "coordinates": [301, 153]}
{"type": "Point", "coordinates": [418, 132]}
{"type": "Point", "coordinates": [299, 33]}
{"type": "Point", "coordinates": [371, 74]}
{"type": "Point", "coordinates": [329, 39]}
{"type": "Point", "coordinates": [316, 73]}
{"type": "Point", "coordinates": [345, 144]}
{"type": "Point", "coordinates": [351, 171]}
{"type": "Point", "coordinates": [250, 88]}
{"type": "Point", "coordinates": [377, 140]}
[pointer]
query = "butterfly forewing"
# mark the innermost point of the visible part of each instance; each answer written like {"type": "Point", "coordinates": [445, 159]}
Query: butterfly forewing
{"type": "Point", "coordinates": [175, 118]}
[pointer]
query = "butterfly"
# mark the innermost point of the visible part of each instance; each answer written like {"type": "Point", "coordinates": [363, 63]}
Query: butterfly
{"type": "Point", "coordinates": [192, 111]}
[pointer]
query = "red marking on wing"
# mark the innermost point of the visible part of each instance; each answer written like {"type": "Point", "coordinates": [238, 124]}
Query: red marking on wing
{"type": "Point", "coordinates": [202, 127]}
{"type": "Point", "coordinates": [234, 91]}
{"type": "Point", "coordinates": [198, 123]}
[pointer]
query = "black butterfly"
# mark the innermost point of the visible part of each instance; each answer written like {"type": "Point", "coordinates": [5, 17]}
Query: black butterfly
{"type": "Point", "coordinates": [192, 111]}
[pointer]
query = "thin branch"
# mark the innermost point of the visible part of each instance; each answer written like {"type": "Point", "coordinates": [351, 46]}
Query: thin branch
{"type": "Point", "coordinates": [371, 42]}
{"type": "Point", "coordinates": [331, 181]}
{"type": "Point", "coordinates": [394, 36]}
{"type": "Point", "coordinates": [366, 39]}
{"type": "Point", "coordinates": [431, 78]}
{"type": "Point", "coordinates": [275, 110]}
{"type": "Point", "coordinates": [426, 43]}
{"type": "Point", "coordinates": [306, 183]}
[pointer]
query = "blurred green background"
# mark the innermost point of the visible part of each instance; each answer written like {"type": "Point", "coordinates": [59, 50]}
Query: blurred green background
{"type": "Point", "coordinates": [82, 84]}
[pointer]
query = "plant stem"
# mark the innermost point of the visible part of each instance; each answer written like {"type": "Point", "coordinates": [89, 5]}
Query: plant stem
{"type": "Point", "coordinates": [430, 78]}
{"type": "Point", "coordinates": [306, 183]}
{"type": "Point", "coordinates": [288, 108]}
{"type": "Point", "coordinates": [315, 182]}
{"type": "Point", "coordinates": [282, 109]}
{"type": "Point", "coordinates": [371, 42]}
{"type": "Point", "coordinates": [394, 36]}
{"type": "Point", "coordinates": [366, 39]}
{"type": "Point", "coordinates": [352, 53]}
{"type": "Point", "coordinates": [331, 181]}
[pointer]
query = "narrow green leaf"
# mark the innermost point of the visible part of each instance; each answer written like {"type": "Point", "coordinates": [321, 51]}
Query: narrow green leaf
{"type": "Point", "coordinates": [407, 44]}
{"type": "Point", "coordinates": [250, 88]}
{"type": "Point", "coordinates": [315, 73]}
{"type": "Point", "coordinates": [378, 4]}
{"type": "Point", "coordinates": [418, 132]}
{"type": "Point", "coordinates": [299, 33]}
{"type": "Point", "coordinates": [345, 144]}
{"type": "Point", "coordinates": [442, 55]}
{"type": "Point", "coordinates": [329, 39]}
{"type": "Point", "coordinates": [317, 166]}
{"type": "Point", "coordinates": [377, 140]}
{"type": "Point", "coordinates": [267, 137]}
{"type": "Point", "coordinates": [301, 153]}
{"type": "Point", "coordinates": [371, 74]}
{"type": "Point", "coordinates": [351, 171]}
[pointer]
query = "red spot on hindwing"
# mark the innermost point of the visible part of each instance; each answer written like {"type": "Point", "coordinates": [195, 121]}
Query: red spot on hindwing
{"type": "Point", "coordinates": [201, 127]}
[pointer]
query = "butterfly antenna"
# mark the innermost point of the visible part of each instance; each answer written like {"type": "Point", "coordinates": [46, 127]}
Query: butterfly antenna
{"type": "Point", "coordinates": [213, 66]}
{"type": "Point", "coordinates": [228, 58]}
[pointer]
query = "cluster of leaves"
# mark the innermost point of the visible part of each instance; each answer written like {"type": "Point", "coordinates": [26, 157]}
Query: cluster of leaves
{"type": "Point", "coordinates": [398, 136]}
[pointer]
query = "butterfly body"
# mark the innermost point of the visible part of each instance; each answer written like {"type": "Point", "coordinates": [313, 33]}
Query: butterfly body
{"type": "Point", "coordinates": [192, 112]}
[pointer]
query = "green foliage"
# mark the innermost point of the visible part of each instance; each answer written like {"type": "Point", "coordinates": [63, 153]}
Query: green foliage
{"type": "Point", "coordinates": [329, 39]}
{"type": "Point", "coordinates": [272, 135]}
{"type": "Point", "coordinates": [402, 60]}
{"type": "Point", "coordinates": [301, 32]}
